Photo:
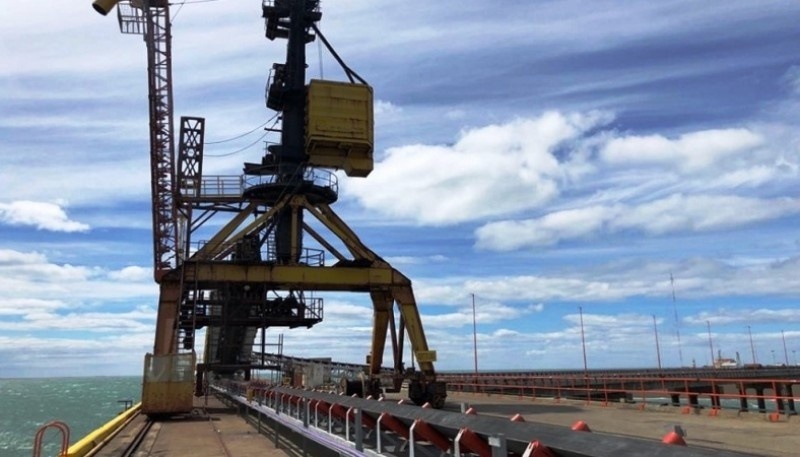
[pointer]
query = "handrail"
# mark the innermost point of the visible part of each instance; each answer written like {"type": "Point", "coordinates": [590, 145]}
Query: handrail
{"type": "Point", "coordinates": [332, 418]}
{"type": "Point", "coordinates": [769, 394]}
{"type": "Point", "coordinates": [37, 440]}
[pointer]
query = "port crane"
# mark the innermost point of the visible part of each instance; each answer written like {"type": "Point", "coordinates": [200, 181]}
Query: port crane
{"type": "Point", "coordinates": [258, 270]}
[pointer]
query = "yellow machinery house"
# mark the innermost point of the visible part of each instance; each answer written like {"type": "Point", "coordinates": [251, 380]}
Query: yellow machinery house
{"type": "Point", "coordinates": [168, 384]}
{"type": "Point", "coordinates": [339, 126]}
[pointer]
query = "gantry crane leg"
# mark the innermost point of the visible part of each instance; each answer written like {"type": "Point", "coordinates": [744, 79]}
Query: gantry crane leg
{"type": "Point", "coordinates": [169, 299]}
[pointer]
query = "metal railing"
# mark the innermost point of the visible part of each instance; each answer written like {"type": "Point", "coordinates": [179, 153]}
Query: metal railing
{"type": "Point", "coordinates": [314, 176]}
{"type": "Point", "coordinates": [762, 395]}
{"type": "Point", "coordinates": [352, 426]}
{"type": "Point", "coordinates": [220, 186]}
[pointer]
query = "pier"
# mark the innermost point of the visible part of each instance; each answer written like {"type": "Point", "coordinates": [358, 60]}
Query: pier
{"type": "Point", "coordinates": [701, 412]}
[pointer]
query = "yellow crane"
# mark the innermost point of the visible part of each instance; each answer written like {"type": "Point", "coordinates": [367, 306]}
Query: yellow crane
{"type": "Point", "coordinates": [256, 271]}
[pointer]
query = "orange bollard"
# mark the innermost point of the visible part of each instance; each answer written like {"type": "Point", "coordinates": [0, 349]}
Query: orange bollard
{"type": "Point", "coordinates": [517, 418]}
{"type": "Point", "coordinates": [580, 426]}
{"type": "Point", "coordinates": [536, 449]}
{"type": "Point", "coordinates": [673, 438]}
{"type": "Point", "coordinates": [471, 411]}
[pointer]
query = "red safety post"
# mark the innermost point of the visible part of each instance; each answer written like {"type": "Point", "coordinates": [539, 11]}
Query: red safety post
{"type": "Point", "coordinates": [779, 406]}
{"type": "Point", "coordinates": [580, 426]}
{"type": "Point", "coordinates": [673, 438]}
{"type": "Point", "coordinates": [588, 390]}
{"type": "Point", "coordinates": [536, 449]}
{"type": "Point", "coordinates": [644, 399]}
{"type": "Point", "coordinates": [558, 390]}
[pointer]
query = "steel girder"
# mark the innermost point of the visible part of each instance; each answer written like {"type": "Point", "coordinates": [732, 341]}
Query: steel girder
{"type": "Point", "coordinates": [361, 271]}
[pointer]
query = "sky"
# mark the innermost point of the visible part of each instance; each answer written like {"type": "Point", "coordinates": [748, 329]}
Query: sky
{"type": "Point", "coordinates": [558, 161]}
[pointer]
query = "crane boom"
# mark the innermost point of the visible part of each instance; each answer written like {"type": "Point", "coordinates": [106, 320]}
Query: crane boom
{"type": "Point", "coordinates": [162, 149]}
{"type": "Point", "coordinates": [151, 19]}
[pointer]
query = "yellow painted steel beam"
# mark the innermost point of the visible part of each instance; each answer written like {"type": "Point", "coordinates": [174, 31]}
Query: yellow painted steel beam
{"type": "Point", "coordinates": [212, 246]}
{"type": "Point", "coordinates": [169, 298]}
{"type": "Point", "coordinates": [323, 242]}
{"type": "Point", "coordinates": [408, 309]}
{"type": "Point", "coordinates": [225, 247]}
{"type": "Point", "coordinates": [329, 219]}
{"type": "Point", "coordinates": [100, 435]}
{"type": "Point", "coordinates": [286, 277]}
{"type": "Point", "coordinates": [296, 233]}
{"type": "Point", "coordinates": [382, 302]}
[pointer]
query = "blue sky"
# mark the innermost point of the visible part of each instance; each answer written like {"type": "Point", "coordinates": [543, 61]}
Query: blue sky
{"type": "Point", "coordinates": [542, 155]}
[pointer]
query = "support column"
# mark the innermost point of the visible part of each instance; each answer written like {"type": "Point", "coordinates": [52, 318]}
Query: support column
{"type": "Point", "coordinates": [762, 404]}
{"type": "Point", "coordinates": [778, 400]}
{"type": "Point", "coordinates": [790, 400]}
{"type": "Point", "coordinates": [693, 400]}
{"type": "Point", "coordinates": [715, 403]}
{"type": "Point", "coordinates": [743, 405]}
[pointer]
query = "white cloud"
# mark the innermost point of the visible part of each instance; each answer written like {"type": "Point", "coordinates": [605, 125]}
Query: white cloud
{"type": "Point", "coordinates": [676, 213]}
{"type": "Point", "coordinates": [691, 152]}
{"type": "Point", "coordinates": [42, 215]}
{"type": "Point", "coordinates": [744, 316]}
{"type": "Point", "coordinates": [489, 171]}
{"type": "Point", "coordinates": [409, 260]}
{"type": "Point", "coordinates": [11, 257]}
{"type": "Point", "coordinates": [24, 306]}
{"type": "Point", "coordinates": [615, 281]}
{"type": "Point", "coordinates": [792, 79]}
{"type": "Point", "coordinates": [486, 313]}
{"type": "Point", "coordinates": [30, 275]}
{"type": "Point", "coordinates": [384, 108]}
{"type": "Point", "coordinates": [132, 274]}
{"type": "Point", "coordinates": [140, 319]}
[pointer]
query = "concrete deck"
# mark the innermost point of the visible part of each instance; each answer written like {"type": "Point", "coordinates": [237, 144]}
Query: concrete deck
{"type": "Point", "coordinates": [212, 430]}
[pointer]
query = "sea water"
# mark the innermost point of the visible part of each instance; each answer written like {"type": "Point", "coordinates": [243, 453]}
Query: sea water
{"type": "Point", "coordinates": [84, 404]}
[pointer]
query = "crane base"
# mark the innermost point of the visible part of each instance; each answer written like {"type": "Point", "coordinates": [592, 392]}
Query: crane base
{"type": "Point", "coordinates": [432, 392]}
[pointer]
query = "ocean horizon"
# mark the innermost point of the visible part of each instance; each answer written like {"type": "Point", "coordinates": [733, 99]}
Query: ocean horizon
{"type": "Point", "coordinates": [83, 403]}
